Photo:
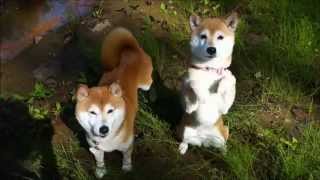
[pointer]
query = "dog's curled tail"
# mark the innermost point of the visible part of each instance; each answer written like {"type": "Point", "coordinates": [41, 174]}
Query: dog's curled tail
{"type": "Point", "coordinates": [114, 44]}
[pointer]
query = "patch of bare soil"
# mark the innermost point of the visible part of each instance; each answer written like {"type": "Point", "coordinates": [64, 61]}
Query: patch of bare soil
{"type": "Point", "coordinates": [292, 119]}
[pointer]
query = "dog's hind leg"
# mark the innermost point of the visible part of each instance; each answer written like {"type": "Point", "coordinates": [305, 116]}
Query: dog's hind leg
{"type": "Point", "coordinates": [190, 136]}
{"type": "Point", "coordinates": [126, 159]}
{"type": "Point", "coordinates": [100, 167]}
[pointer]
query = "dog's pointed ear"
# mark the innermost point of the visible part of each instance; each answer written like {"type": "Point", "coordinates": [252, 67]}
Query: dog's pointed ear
{"type": "Point", "coordinates": [115, 89]}
{"type": "Point", "coordinates": [194, 21]}
{"type": "Point", "coordinates": [82, 92]}
{"type": "Point", "coordinates": [232, 21]}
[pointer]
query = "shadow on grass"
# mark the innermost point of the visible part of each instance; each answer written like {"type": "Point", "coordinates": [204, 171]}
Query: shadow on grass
{"type": "Point", "coordinates": [22, 137]}
{"type": "Point", "coordinates": [166, 103]}
{"type": "Point", "coordinates": [70, 121]}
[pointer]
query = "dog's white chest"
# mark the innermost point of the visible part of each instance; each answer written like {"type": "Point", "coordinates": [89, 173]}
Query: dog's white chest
{"type": "Point", "coordinates": [201, 81]}
{"type": "Point", "coordinates": [109, 144]}
{"type": "Point", "coordinates": [209, 111]}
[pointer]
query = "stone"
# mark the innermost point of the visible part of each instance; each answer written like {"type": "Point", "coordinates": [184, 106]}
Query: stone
{"type": "Point", "coordinates": [37, 39]}
{"type": "Point", "coordinates": [46, 71]}
{"type": "Point", "coordinates": [101, 26]}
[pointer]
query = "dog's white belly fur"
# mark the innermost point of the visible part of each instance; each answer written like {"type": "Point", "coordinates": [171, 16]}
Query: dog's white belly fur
{"type": "Point", "coordinates": [209, 112]}
{"type": "Point", "coordinates": [208, 108]}
{"type": "Point", "coordinates": [210, 105]}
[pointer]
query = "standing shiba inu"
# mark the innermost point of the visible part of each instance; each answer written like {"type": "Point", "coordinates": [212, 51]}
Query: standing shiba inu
{"type": "Point", "coordinates": [107, 112]}
{"type": "Point", "coordinates": [209, 87]}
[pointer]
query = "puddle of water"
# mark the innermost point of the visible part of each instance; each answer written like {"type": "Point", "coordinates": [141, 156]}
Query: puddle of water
{"type": "Point", "coordinates": [16, 75]}
{"type": "Point", "coordinates": [22, 22]}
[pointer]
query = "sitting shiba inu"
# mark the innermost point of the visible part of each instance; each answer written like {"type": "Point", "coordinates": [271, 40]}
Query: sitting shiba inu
{"type": "Point", "coordinates": [107, 112]}
{"type": "Point", "coordinates": [209, 87]}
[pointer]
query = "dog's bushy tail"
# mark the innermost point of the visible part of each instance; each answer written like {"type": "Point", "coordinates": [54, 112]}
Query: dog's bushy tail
{"type": "Point", "coordinates": [114, 44]}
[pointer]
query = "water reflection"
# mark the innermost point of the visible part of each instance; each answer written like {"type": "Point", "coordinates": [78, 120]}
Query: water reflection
{"type": "Point", "coordinates": [22, 21]}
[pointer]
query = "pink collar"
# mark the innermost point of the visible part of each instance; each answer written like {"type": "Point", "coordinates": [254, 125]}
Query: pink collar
{"type": "Point", "coordinates": [218, 71]}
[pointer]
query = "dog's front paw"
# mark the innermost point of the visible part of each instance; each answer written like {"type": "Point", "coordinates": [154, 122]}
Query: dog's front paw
{"type": "Point", "coordinates": [224, 110]}
{"type": "Point", "coordinates": [183, 147]}
{"type": "Point", "coordinates": [191, 107]}
{"type": "Point", "coordinates": [202, 100]}
{"type": "Point", "coordinates": [126, 167]}
{"type": "Point", "coordinates": [229, 78]}
{"type": "Point", "coordinates": [100, 172]}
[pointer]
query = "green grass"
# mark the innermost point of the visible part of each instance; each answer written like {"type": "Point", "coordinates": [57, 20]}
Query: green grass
{"type": "Point", "coordinates": [276, 64]}
{"type": "Point", "coordinates": [300, 160]}
{"type": "Point", "coordinates": [240, 159]}
{"type": "Point", "coordinates": [69, 165]}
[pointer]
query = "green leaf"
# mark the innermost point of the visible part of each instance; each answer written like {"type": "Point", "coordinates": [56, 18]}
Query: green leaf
{"type": "Point", "coordinates": [163, 7]}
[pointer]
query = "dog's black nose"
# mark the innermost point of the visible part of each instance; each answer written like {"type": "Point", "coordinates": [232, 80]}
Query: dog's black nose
{"type": "Point", "coordinates": [211, 50]}
{"type": "Point", "coordinates": [104, 129]}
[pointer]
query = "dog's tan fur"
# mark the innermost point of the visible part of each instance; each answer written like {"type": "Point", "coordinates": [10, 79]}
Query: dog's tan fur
{"type": "Point", "coordinates": [134, 70]}
{"type": "Point", "coordinates": [213, 25]}
{"type": "Point", "coordinates": [208, 88]}
{"type": "Point", "coordinates": [128, 66]}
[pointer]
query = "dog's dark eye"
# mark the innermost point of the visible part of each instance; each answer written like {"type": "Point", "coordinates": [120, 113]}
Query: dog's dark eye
{"type": "Point", "coordinates": [92, 112]}
{"type": "Point", "coordinates": [110, 111]}
{"type": "Point", "coordinates": [203, 36]}
{"type": "Point", "coordinates": [220, 37]}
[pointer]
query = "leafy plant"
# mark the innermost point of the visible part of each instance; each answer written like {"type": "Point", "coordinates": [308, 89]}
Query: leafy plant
{"type": "Point", "coordinates": [98, 11]}
{"type": "Point", "coordinates": [58, 109]}
{"type": "Point", "coordinates": [163, 8]}
{"type": "Point", "coordinates": [38, 112]}
{"type": "Point", "coordinates": [40, 91]}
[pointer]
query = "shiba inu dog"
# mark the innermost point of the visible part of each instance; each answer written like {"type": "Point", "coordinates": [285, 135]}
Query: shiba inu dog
{"type": "Point", "coordinates": [209, 87]}
{"type": "Point", "coordinates": [107, 112]}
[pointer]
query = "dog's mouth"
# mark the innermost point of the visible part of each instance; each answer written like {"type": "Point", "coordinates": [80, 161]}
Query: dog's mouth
{"type": "Point", "coordinates": [98, 135]}
{"type": "Point", "coordinates": [210, 57]}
